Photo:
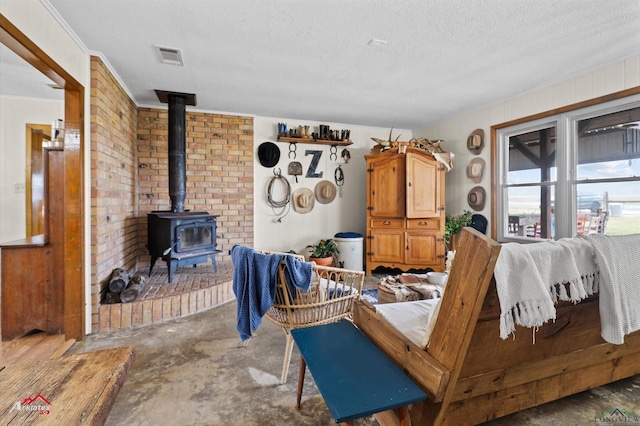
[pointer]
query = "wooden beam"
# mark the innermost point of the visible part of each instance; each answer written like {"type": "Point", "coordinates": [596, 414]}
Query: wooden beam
{"type": "Point", "coordinates": [74, 312]}
{"type": "Point", "coordinates": [22, 45]}
{"type": "Point", "coordinates": [522, 148]}
{"type": "Point", "coordinates": [81, 388]}
{"type": "Point", "coordinates": [610, 120]}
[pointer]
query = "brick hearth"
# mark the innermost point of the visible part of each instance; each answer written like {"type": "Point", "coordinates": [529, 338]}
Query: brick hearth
{"type": "Point", "coordinates": [193, 290]}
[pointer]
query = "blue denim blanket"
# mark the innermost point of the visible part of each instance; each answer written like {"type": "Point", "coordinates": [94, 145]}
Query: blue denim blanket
{"type": "Point", "coordinates": [254, 284]}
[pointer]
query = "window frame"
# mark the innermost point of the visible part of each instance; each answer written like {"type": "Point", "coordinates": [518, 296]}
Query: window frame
{"type": "Point", "coordinates": [566, 123]}
{"type": "Point", "coordinates": [503, 169]}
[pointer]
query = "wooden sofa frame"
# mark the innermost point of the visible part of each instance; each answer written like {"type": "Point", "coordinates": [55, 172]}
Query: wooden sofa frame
{"type": "Point", "coordinates": [471, 375]}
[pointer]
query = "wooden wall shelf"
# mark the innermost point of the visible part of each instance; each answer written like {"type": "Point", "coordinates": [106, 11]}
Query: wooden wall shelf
{"type": "Point", "coordinates": [344, 142]}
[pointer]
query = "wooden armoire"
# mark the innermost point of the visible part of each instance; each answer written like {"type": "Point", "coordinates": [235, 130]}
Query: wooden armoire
{"type": "Point", "coordinates": [405, 210]}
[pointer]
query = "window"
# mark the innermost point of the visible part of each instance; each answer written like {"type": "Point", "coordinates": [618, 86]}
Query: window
{"type": "Point", "coordinates": [577, 172]}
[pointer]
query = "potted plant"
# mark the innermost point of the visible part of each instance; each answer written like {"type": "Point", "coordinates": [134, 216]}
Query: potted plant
{"type": "Point", "coordinates": [324, 252]}
{"type": "Point", "coordinates": [453, 225]}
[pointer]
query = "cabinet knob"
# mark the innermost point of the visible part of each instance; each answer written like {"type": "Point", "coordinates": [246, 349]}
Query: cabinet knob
{"type": "Point", "coordinates": [409, 183]}
{"type": "Point", "coordinates": [386, 222]}
{"type": "Point", "coordinates": [422, 223]}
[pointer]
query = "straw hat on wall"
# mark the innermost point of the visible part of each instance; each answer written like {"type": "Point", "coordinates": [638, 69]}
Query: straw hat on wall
{"type": "Point", "coordinates": [475, 170]}
{"type": "Point", "coordinates": [302, 200]}
{"type": "Point", "coordinates": [325, 192]}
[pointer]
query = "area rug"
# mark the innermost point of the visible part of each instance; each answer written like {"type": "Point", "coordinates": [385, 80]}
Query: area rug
{"type": "Point", "coordinates": [370, 295]}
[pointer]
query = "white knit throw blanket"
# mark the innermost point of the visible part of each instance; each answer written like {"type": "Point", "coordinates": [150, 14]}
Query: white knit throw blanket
{"type": "Point", "coordinates": [618, 259]}
{"type": "Point", "coordinates": [530, 278]}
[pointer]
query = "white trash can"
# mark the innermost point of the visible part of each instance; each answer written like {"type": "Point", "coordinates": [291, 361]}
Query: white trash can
{"type": "Point", "coordinates": [350, 247]}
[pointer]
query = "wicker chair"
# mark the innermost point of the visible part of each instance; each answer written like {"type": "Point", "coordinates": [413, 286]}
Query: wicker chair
{"type": "Point", "coordinates": [330, 298]}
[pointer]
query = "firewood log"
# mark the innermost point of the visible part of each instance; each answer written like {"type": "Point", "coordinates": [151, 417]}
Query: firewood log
{"type": "Point", "coordinates": [111, 297]}
{"type": "Point", "coordinates": [119, 280]}
{"type": "Point", "coordinates": [135, 286]}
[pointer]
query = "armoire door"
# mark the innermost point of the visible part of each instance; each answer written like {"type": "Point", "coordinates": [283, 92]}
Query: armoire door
{"type": "Point", "coordinates": [387, 245]}
{"type": "Point", "coordinates": [387, 186]}
{"type": "Point", "coordinates": [423, 248]}
{"type": "Point", "coordinates": [423, 186]}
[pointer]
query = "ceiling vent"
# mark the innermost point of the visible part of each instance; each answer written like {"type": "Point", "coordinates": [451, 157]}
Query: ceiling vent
{"type": "Point", "coordinates": [376, 42]}
{"type": "Point", "coordinates": [170, 55]}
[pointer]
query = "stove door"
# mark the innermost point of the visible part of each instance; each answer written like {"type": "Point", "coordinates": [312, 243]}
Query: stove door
{"type": "Point", "coordinates": [195, 236]}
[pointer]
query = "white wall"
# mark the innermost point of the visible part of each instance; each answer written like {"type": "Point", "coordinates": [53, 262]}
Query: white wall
{"type": "Point", "coordinates": [609, 79]}
{"type": "Point", "coordinates": [15, 114]}
{"type": "Point", "coordinates": [344, 214]}
{"type": "Point", "coordinates": [34, 19]}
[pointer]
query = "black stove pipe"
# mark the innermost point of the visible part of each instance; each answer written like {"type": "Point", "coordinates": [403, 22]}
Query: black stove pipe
{"type": "Point", "coordinates": [177, 145]}
{"type": "Point", "coordinates": [177, 152]}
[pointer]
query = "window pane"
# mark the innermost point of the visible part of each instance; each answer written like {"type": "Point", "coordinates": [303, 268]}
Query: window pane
{"type": "Point", "coordinates": [528, 216]}
{"type": "Point", "coordinates": [532, 157]}
{"type": "Point", "coordinates": [619, 210]}
{"type": "Point", "coordinates": [599, 163]}
{"type": "Point", "coordinates": [609, 146]}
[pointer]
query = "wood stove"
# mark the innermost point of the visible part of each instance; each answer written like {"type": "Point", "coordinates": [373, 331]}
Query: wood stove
{"type": "Point", "coordinates": [179, 237]}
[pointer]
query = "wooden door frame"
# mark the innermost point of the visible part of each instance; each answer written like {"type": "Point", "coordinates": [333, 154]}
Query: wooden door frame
{"type": "Point", "coordinates": [45, 129]}
{"type": "Point", "coordinates": [73, 191]}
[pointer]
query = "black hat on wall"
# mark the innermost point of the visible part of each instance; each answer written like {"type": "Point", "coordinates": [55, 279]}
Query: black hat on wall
{"type": "Point", "coordinates": [479, 222]}
{"type": "Point", "coordinates": [268, 154]}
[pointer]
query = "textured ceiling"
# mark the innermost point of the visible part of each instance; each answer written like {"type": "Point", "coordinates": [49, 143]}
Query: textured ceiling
{"type": "Point", "coordinates": [311, 59]}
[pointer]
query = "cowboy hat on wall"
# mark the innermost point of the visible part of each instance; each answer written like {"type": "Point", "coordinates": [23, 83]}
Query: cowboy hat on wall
{"type": "Point", "coordinates": [268, 154]}
{"type": "Point", "coordinates": [475, 170]}
{"type": "Point", "coordinates": [302, 200]}
{"type": "Point", "coordinates": [476, 198]}
{"type": "Point", "coordinates": [475, 141]}
{"type": "Point", "coordinates": [325, 192]}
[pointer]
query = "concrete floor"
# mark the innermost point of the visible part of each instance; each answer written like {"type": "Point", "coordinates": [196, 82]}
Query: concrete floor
{"type": "Point", "coordinates": [194, 371]}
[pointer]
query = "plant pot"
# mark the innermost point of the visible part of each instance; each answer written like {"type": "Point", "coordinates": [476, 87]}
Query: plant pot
{"type": "Point", "coordinates": [454, 242]}
{"type": "Point", "coordinates": [322, 261]}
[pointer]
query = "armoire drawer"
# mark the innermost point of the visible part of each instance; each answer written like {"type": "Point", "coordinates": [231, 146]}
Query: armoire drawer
{"type": "Point", "coordinates": [387, 223]}
{"type": "Point", "coordinates": [430, 224]}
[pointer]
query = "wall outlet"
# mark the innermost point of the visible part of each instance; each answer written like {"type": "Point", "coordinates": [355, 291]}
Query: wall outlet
{"type": "Point", "coordinates": [20, 188]}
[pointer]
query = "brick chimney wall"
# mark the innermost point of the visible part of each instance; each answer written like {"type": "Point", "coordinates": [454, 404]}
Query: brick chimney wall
{"type": "Point", "coordinates": [219, 173]}
{"type": "Point", "coordinates": [129, 178]}
{"type": "Point", "coordinates": [114, 225]}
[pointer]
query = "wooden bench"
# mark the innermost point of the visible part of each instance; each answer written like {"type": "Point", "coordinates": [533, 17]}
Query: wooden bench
{"type": "Point", "coordinates": [354, 377]}
{"type": "Point", "coordinates": [67, 390]}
